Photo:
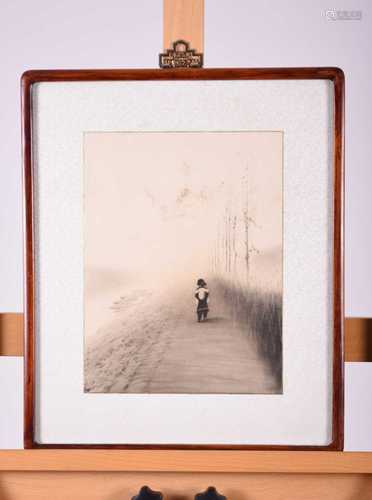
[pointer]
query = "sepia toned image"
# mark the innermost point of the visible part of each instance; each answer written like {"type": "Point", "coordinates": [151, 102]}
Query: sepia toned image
{"type": "Point", "coordinates": [183, 262]}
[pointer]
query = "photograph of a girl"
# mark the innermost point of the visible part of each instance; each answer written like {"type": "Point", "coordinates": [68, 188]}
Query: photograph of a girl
{"type": "Point", "coordinates": [183, 262]}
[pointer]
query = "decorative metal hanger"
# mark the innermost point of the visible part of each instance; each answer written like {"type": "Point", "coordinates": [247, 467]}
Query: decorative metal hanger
{"type": "Point", "coordinates": [181, 56]}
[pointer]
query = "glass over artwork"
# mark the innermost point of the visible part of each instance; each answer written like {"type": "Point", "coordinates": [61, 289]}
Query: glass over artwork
{"type": "Point", "coordinates": [183, 262]}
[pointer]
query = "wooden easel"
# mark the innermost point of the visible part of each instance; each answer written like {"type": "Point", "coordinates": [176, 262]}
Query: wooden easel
{"type": "Point", "coordinates": [240, 475]}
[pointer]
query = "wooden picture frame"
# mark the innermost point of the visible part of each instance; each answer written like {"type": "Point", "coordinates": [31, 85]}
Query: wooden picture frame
{"type": "Point", "coordinates": [334, 75]}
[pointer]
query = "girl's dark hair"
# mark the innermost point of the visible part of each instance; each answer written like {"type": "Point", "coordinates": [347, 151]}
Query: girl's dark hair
{"type": "Point", "coordinates": [201, 282]}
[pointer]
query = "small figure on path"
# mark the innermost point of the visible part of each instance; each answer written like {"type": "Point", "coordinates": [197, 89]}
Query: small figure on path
{"type": "Point", "coordinates": [201, 295]}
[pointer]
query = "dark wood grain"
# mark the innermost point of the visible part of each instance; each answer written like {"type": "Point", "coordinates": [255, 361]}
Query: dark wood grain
{"type": "Point", "coordinates": [333, 74]}
{"type": "Point", "coordinates": [338, 262]}
{"type": "Point", "coordinates": [29, 317]}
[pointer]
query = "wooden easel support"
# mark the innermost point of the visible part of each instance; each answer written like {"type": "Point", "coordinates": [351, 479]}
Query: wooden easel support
{"type": "Point", "coordinates": [358, 337]}
{"type": "Point", "coordinates": [184, 19]}
{"type": "Point", "coordinates": [240, 475]}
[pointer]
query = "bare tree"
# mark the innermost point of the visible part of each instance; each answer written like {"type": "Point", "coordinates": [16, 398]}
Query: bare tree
{"type": "Point", "coordinates": [226, 242]}
{"type": "Point", "coordinates": [248, 221]}
{"type": "Point", "coordinates": [235, 253]}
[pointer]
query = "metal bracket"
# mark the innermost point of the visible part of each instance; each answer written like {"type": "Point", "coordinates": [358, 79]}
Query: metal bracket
{"type": "Point", "coordinates": [181, 56]}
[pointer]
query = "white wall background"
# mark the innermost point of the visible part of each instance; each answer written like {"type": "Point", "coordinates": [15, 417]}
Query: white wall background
{"type": "Point", "coordinates": [128, 33]}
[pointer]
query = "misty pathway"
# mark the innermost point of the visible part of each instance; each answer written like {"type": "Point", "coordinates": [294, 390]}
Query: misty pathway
{"type": "Point", "coordinates": [163, 349]}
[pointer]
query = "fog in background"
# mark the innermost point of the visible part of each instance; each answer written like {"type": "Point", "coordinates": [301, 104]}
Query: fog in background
{"type": "Point", "coordinates": [155, 208]}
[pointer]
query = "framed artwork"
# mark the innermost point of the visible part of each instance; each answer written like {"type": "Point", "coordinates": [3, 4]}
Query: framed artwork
{"type": "Point", "coordinates": [184, 262]}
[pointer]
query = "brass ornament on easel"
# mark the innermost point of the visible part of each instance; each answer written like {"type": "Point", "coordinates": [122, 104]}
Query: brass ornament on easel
{"type": "Point", "coordinates": [181, 56]}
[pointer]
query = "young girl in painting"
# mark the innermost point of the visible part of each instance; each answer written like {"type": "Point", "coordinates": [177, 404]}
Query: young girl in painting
{"type": "Point", "coordinates": [201, 295]}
